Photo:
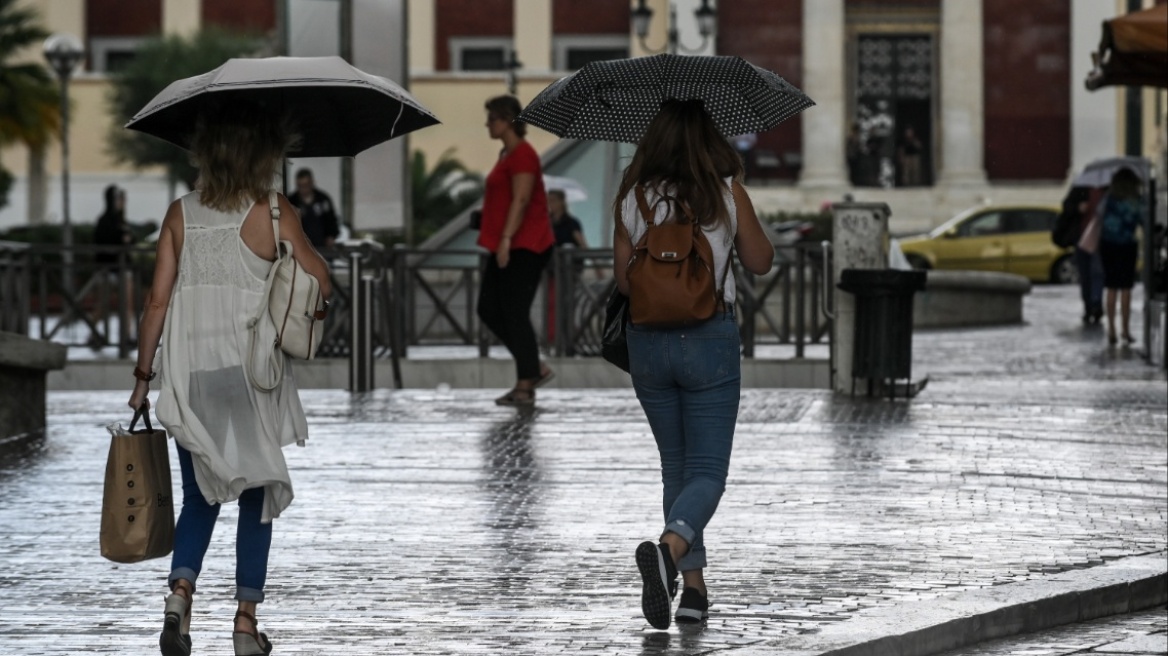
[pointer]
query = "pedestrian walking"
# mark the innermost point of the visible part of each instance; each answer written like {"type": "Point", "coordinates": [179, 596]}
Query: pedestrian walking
{"type": "Point", "coordinates": [1119, 212]}
{"type": "Point", "coordinates": [516, 230]}
{"type": "Point", "coordinates": [215, 250]}
{"type": "Point", "coordinates": [687, 379]}
{"type": "Point", "coordinates": [1077, 210]}
{"type": "Point", "coordinates": [318, 213]}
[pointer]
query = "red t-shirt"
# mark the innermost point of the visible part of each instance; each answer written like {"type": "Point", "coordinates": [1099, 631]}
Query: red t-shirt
{"type": "Point", "coordinates": [535, 233]}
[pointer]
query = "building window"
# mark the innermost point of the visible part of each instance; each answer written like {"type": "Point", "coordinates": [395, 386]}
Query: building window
{"type": "Point", "coordinates": [573, 52]}
{"type": "Point", "coordinates": [112, 54]}
{"type": "Point", "coordinates": [479, 53]}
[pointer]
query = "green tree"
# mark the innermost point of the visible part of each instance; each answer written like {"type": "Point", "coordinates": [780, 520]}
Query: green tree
{"type": "Point", "coordinates": [29, 102]}
{"type": "Point", "coordinates": [441, 193]}
{"type": "Point", "coordinates": [159, 62]}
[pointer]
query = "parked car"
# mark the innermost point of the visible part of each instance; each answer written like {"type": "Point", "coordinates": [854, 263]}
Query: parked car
{"type": "Point", "coordinates": [1006, 238]}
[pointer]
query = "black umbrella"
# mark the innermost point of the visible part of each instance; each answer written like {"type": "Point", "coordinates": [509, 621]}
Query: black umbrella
{"type": "Point", "coordinates": [615, 100]}
{"type": "Point", "coordinates": [338, 109]}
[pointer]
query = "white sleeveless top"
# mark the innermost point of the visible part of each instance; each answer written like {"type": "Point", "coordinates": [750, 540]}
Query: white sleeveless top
{"type": "Point", "coordinates": [721, 240]}
{"type": "Point", "coordinates": [234, 432]}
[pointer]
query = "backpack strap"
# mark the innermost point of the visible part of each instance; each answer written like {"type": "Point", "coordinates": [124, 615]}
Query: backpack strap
{"type": "Point", "coordinates": [643, 205]}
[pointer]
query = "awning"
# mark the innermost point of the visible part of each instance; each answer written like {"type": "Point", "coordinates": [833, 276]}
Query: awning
{"type": "Point", "coordinates": [1133, 51]}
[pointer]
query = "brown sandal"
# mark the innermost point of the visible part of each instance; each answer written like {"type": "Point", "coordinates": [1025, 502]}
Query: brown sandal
{"type": "Point", "coordinates": [517, 398]}
{"type": "Point", "coordinates": [250, 643]}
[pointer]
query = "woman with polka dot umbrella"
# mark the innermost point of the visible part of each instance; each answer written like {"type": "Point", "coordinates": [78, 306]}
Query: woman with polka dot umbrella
{"type": "Point", "coordinates": [615, 100]}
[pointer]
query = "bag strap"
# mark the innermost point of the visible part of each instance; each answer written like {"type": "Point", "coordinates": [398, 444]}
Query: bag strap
{"type": "Point", "coordinates": [643, 205]}
{"type": "Point", "coordinates": [142, 412]}
{"type": "Point", "coordinates": [274, 210]}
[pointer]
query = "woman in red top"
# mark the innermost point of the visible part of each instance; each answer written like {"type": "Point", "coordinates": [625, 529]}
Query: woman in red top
{"type": "Point", "coordinates": [516, 229]}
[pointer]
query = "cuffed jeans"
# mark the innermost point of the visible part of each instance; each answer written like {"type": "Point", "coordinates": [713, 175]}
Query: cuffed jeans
{"type": "Point", "coordinates": [689, 383]}
{"type": "Point", "coordinates": [1090, 267]}
{"type": "Point", "coordinates": [196, 523]}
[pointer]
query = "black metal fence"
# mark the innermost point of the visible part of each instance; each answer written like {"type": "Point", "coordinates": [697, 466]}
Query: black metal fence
{"type": "Point", "coordinates": [415, 298]}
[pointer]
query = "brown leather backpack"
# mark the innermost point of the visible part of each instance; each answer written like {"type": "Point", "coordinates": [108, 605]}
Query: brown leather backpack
{"type": "Point", "coordinates": [671, 273]}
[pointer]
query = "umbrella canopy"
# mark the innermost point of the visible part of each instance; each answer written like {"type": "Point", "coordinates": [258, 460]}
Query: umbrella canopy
{"type": "Point", "coordinates": [1098, 172]}
{"type": "Point", "coordinates": [615, 100]}
{"type": "Point", "coordinates": [338, 109]}
{"type": "Point", "coordinates": [1133, 51]}
{"type": "Point", "coordinates": [573, 191]}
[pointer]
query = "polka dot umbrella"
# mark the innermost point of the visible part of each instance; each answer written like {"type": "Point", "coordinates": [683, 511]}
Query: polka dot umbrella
{"type": "Point", "coordinates": [615, 100]}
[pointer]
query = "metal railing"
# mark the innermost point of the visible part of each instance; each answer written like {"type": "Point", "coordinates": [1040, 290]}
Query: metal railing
{"type": "Point", "coordinates": [781, 307]}
{"type": "Point", "coordinates": [414, 298]}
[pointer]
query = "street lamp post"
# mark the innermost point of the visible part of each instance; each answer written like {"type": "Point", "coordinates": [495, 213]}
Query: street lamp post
{"type": "Point", "coordinates": [64, 52]}
{"type": "Point", "coordinates": [706, 16]}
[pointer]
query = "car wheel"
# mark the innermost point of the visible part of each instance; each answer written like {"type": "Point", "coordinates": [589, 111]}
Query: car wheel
{"type": "Point", "coordinates": [1064, 271]}
{"type": "Point", "coordinates": [918, 262]}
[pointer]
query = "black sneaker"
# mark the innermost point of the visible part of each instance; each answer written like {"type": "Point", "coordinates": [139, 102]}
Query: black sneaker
{"type": "Point", "coordinates": [693, 607]}
{"type": "Point", "coordinates": [658, 576]}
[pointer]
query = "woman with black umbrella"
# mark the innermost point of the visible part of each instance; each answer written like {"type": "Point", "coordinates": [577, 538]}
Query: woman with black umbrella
{"type": "Point", "coordinates": [687, 379]}
{"type": "Point", "coordinates": [215, 250]}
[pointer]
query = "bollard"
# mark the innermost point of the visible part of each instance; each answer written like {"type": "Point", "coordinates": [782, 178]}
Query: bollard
{"type": "Point", "coordinates": [363, 274]}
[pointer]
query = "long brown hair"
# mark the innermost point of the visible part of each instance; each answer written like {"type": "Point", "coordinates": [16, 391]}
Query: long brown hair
{"type": "Point", "coordinates": [683, 149]}
{"type": "Point", "coordinates": [238, 148]}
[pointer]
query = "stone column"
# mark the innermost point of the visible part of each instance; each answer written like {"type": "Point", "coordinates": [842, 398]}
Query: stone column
{"type": "Point", "coordinates": [533, 35]}
{"type": "Point", "coordinates": [421, 32]}
{"type": "Point", "coordinates": [1094, 114]}
{"type": "Point", "coordinates": [824, 75]}
{"type": "Point", "coordinates": [962, 94]}
{"type": "Point", "coordinates": [181, 17]}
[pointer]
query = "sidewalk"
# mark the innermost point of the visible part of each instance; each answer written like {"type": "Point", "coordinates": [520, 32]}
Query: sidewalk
{"type": "Point", "coordinates": [434, 522]}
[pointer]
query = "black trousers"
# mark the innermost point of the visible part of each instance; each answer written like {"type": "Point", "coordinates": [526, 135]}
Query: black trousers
{"type": "Point", "coordinates": [505, 298]}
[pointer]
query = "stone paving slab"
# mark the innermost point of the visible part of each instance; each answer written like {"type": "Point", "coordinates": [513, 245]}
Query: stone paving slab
{"type": "Point", "coordinates": [436, 523]}
{"type": "Point", "coordinates": [1144, 632]}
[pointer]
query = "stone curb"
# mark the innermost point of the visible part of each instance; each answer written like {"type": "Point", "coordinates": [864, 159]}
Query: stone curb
{"type": "Point", "coordinates": [929, 627]}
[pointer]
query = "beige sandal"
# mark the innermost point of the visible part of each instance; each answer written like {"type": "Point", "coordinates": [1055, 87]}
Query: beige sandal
{"type": "Point", "coordinates": [250, 643]}
{"type": "Point", "coordinates": [176, 628]}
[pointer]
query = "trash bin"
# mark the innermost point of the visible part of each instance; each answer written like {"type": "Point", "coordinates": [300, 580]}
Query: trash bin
{"type": "Point", "coordinates": [884, 321]}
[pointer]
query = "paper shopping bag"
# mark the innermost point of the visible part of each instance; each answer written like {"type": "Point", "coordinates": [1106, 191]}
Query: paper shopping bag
{"type": "Point", "coordinates": [137, 510]}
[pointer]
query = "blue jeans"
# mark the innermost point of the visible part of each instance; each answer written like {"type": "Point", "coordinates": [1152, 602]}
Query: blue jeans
{"type": "Point", "coordinates": [689, 383]}
{"type": "Point", "coordinates": [192, 536]}
{"type": "Point", "coordinates": [1090, 267]}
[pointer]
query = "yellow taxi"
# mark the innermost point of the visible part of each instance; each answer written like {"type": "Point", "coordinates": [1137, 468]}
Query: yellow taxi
{"type": "Point", "coordinates": [1005, 238]}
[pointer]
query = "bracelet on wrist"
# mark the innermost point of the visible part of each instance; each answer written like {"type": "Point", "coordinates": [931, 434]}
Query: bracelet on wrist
{"type": "Point", "coordinates": [142, 375]}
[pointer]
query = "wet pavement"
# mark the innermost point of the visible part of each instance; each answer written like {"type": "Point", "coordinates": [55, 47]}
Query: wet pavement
{"type": "Point", "coordinates": [433, 522]}
{"type": "Point", "coordinates": [1135, 633]}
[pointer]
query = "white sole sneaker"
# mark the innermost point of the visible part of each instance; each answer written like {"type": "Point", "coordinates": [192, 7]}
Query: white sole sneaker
{"type": "Point", "coordinates": [655, 600]}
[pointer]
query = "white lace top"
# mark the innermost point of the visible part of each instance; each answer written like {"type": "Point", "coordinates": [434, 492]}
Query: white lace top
{"type": "Point", "coordinates": [234, 432]}
{"type": "Point", "coordinates": [721, 240]}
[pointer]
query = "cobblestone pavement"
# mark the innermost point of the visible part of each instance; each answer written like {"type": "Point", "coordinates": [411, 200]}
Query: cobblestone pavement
{"type": "Point", "coordinates": [1137, 633]}
{"type": "Point", "coordinates": [432, 522]}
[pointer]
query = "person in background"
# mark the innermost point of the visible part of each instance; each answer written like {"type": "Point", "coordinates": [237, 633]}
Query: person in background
{"type": "Point", "coordinates": [516, 230]}
{"type": "Point", "coordinates": [566, 227]}
{"type": "Point", "coordinates": [910, 158]}
{"type": "Point", "coordinates": [688, 380]}
{"type": "Point", "coordinates": [1078, 207]}
{"type": "Point", "coordinates": [112, 230]}
{"type": "Point", "coordinates": [318, 214]}
{"type": "Point", "coordinates": [1120, 213]}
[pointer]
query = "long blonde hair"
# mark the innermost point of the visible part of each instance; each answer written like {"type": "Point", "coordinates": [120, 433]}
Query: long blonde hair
{"type": "Point", "coordinates": [238, 148]}
{"type": "Point", "coordinates": [684, 150]}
